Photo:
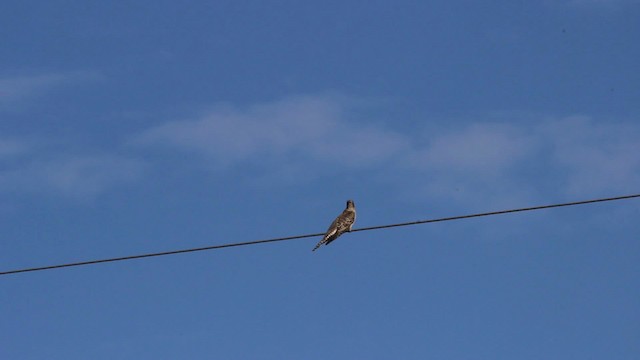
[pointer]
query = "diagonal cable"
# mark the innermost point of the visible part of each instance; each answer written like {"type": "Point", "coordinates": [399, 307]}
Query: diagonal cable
{"type": "Point", "coordinates": [214, 247]}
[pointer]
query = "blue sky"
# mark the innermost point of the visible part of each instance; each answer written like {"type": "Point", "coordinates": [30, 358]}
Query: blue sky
{"type": "Point", "coordinates": [147, 126]}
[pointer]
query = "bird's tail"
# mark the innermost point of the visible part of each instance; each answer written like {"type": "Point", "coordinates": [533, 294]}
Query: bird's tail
{"type": "Point", "coordinates": [320, 243]}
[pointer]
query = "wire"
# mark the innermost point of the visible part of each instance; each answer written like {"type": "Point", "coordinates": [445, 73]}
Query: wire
{"type": "Point", "coordinates": [214, 247]}
{"type": "Point", "coordinates": [498, 212]}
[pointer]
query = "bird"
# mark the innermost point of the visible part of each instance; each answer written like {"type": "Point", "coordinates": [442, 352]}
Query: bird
{"type": "Point", "coordinates": [340, 225]}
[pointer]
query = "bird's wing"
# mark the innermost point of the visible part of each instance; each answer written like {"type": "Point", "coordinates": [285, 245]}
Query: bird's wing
{"type": "Point", "coordinates": [341, 224]}
{"type": "Point", "coordinates": [345, 220]}
{"type": "Point", "coordinates": [332, 229]}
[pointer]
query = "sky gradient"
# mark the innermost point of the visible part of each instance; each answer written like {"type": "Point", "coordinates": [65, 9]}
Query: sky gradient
{"type": "Point", "coordinates": [149, 126]}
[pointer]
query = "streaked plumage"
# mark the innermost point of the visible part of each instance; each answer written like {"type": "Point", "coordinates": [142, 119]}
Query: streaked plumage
{"type": "Point", "coordinates": [340, 225]}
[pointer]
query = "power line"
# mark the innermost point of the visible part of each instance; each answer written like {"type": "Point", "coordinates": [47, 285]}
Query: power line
{"type": "Point", "coordinates": [499, 212]}
{"type": "Point", "coordinates": [213, 247]}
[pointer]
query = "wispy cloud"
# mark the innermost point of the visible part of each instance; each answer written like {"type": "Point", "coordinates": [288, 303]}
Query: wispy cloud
{"type": "Point", "coordinates": [29, 166]}
{"type": "Point", "coordinates": [294, 129]}
{"type": "Point", "coordinates": [571, 156]}
{"type": "Point", "coordinates": [76, 176]}
{"type": "Point", "coordinates": [485, 149]}
{"type": "Point", "coordinates": [594, 156]}
{"type": "Point", "coordinates": [472, 163]}
{"type": "Point", "coordinates": [12, 147]}
{"type": "Point", "coordinates": [17, 89]}
{"type": "Point", "coordinates": [507, 160]}
{"type": "Point", "coordinates": [44, 167]}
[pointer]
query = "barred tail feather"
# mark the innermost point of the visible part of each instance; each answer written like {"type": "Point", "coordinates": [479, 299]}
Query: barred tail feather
{"type": "Point", "coordinates": [320, 243]}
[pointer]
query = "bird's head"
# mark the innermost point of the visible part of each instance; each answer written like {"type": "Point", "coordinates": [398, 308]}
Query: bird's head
{"type": "Point", "coordinates": [350, 204]}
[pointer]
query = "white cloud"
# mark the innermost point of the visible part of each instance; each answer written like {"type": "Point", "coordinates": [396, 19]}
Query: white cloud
{"type": "Point", "coordinates": [16, 89]}
{"type": "Point", "coordinates": [293, 129]}
{"type": "Point", "coordinates": [37, 166]}
{"type": "Point", "coordinates": [486, 149]}
{"type": "Point", "coordinates": [596, 157]}
{"type": "Point", "coordinates": [502, 162]}
{"type": "Point", "coordinates": [476, 163]}
{"type": "Point", "coordinates": [84, 175]}
{"type": "Point", "coordinates": [32, 166]}
{"type": "Point", "coordinates": [79, 177]}
{"type": "Point", "coordinates": [11, 147]}
{"type": "Point", "coordinates": [572, 156]}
